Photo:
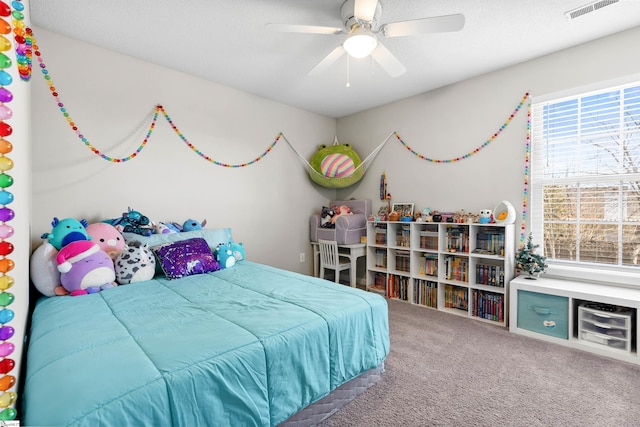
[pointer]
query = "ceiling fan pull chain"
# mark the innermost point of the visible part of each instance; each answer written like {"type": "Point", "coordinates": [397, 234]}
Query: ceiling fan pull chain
{"type": "Point", "coordinates": [348, 73]}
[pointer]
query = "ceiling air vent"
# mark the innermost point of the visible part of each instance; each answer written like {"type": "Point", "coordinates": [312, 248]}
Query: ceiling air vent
{"type": "Point", "coordinates": [591, 7]}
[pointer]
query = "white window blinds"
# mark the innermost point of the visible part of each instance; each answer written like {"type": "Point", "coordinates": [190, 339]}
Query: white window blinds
{"type": "Point", "coordinates": [585, 177]}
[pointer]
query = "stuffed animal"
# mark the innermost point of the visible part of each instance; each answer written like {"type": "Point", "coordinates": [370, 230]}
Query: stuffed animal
{"type": "Point", "coordinates": [85, 268]}
{"type": "Point", "coordinates": [486, 216]}
{"type": "Point", "coordinates": [238, 250]}
{"type": "Point", "coordinates": [341, 210]}
{"type": "Point", "coordinates": [107, 237]}
{"type": "Point", "coordinates": [66, 231]}
{"type": "Point", "coordinates": [136, 263]}
{"type": "Point", "coordinates": [325, 217]}
{"type": "Point", "coordinates": [193, 224]}
{"type": "Point", "coordinates": [165, 228]}
{"type": "Point", "coordinates": [132, 222]}
{"type": "Point", "coordinates": [43, 269]}
{"type": "Point", "coordinates": [224, 255]}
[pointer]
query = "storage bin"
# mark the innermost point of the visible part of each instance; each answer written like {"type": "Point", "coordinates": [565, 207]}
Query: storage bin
{"type": "Point", "coordinates": [611, 329]}
{"type": "Point", "coordinates": [544, 314]}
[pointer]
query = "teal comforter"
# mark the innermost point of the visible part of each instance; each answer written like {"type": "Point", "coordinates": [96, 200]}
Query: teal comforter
{"type": "Point", "coordinates": [246, 346]}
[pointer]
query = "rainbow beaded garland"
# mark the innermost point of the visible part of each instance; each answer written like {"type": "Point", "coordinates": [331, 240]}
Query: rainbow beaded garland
{"type": "Point", "coordinates": [157, 110]}
{"type": "Point", "coordinates": [7, 364]}
{"type": "Point", "coordinates": [475, 150]}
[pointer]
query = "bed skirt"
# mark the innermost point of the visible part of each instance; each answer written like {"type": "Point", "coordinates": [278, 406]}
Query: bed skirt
{"type": "Point", "coordinates": [319, 411]}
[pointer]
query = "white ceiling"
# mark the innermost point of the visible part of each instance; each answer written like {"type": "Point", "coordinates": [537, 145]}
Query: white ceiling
{"type": "Point", "coordinates": [226, 41]}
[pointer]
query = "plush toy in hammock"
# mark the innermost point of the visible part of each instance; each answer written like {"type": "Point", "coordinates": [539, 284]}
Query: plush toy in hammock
{"type": "Point", "coordinates": [336, 166]}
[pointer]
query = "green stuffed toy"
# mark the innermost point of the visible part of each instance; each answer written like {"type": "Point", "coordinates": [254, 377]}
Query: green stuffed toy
{"type": "Point", "coordinates": [336, 166]}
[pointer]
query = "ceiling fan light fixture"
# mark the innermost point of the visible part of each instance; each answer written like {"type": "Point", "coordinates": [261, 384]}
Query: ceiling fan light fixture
{"type": "Point", "coordinates": [360, 43]}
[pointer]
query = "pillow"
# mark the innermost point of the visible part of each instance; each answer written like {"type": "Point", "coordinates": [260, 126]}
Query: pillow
{"type": "Point", "coordinates": [185, 258]}
{"type": "Point", "coordinates": [213, 236]}
{"type": "Point", "coordinates": [44, 269]}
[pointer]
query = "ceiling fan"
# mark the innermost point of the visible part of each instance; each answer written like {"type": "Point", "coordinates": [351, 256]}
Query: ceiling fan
{"type": "Point", "coordinates": [361, 23]}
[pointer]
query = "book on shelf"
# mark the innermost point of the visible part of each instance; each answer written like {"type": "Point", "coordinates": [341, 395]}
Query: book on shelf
{"type": "Point", "coordinates": [398, 287]}
{"type": "Point", "coordinates": [429, 240]}
{"type": "Point", "coordinates": [456, 268]}
{"type": "Point", "coordinates": [429, 265]}
{"type": "Point", "coordinates": [425, 293]}
{"type": "Point", "coordinates": [487, 305]}
{"type": "Point", "coordinates": [457, 239]}
{"type": "Point", "coordinates": [403, 261]}
{"type": "Point", "coordinates": [490, 275]}
{"type": "Point", "coordinates": [490, 241]}
{"type": "Point", "coordinates": [456, 297]}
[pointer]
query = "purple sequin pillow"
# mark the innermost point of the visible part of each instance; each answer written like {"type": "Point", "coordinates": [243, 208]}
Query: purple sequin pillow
{"type": "Point", "coordinates": [186, 258]}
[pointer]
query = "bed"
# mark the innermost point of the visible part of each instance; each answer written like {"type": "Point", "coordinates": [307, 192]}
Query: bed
{"type": "Point", "coordinates": [250, 345]}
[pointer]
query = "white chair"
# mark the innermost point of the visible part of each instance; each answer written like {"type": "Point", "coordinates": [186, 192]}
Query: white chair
{"type": "Point", "coordinates": [331, 259]}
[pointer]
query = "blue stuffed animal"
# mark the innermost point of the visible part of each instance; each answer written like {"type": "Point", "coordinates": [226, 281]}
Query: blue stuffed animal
{"type": "Point", "coordinates": [132, 222]}
{"type": "Point", "coordinates": [238, 250]}
{"type": "Point", "coordinates": [66, 231]}
{"type": "Point", "coordinates": [224, 255]}
{"type": "Point", "coordinates": [193, 224]}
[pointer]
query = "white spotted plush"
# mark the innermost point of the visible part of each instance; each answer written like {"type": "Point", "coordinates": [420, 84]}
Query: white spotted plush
{"type": "Point", "coordinates": [136, 263]}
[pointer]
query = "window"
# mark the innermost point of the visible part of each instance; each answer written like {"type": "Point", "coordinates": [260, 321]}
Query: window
{"type": "Point", "coordinates": [585, 178]}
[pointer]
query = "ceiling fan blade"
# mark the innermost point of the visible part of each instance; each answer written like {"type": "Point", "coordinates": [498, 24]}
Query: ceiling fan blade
{"type": "Point", "coordinates": [365, 9]}
{"type": "Point", "coordinates": [308, 29]}
{"type": "Point", "coordinates": [436, 24]}
{"type": "Point", "coordinates": [388, 61]}
{"type": "Point", "coordinates": [332, 57]}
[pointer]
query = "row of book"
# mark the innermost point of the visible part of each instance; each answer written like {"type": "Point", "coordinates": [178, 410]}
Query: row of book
{"type": "Point", "coordinates": [429, 265]}
{"type": "Point", "coordinates": [403, 236]}
{"type": "Point", "coordinates": [403, 262]}
{"type": "Point", "coordinates": [398, 287]}
{"type": "Point", "coordinates": [487, 305]}
{"type": "Point", "coordinates": [429, 240]}
{"type": "Point", "coordinates": [491, 241]}
{"type": "Point", "coordinates": [457, 239]}
{"type": "Point", "coordinates": [456, 268]}
{"type": "Point", "coordinates": [491, 275]}
{"type": "Point", "coordinates": [456, 297]}
{"type": "Point", "coordinates": [381, 258]}
{"type": "Point", "coordinates": [425, 292]}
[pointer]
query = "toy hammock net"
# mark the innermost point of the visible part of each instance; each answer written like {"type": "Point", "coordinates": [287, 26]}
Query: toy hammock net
{"type": "Point", "coordinates": [356, 175]}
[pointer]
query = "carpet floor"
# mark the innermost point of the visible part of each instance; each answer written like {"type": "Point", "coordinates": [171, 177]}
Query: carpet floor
{"type": "Point", "coordinates": [448, 370]}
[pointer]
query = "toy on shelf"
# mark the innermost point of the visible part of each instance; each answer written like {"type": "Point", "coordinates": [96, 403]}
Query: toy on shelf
{"type": "Point", "coordinates": [486, 216]}
{"type": "Point", "coordinates": [505, 213]}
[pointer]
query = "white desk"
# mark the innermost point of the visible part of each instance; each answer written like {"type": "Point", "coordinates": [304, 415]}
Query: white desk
{"type": "Point", "coordinates": [353, 252]}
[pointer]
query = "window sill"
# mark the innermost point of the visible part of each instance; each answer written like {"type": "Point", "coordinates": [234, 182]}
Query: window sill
{"type": "Point", "coordinates": [602, 276]}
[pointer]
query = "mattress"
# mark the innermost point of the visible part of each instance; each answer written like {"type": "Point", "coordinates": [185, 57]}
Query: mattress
{"type": "Point", "coordinates": [249, 345]}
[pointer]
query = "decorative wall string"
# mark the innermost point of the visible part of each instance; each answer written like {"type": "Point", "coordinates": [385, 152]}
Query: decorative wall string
{"type": "Point", "coordinates": [158, 109]}
{"type": "Point", "coordinates": [475, 150]}
{"type": "Point", "coordinates": [7, 364]}
{"type": "Point", "coordinates": [527, 155]}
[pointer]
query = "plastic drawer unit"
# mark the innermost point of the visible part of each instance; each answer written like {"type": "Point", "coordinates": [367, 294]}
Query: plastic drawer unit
{"type": "Point", "coordinates": [610, 327]}
{"type": "Point", "coordinates": [544, 314]}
